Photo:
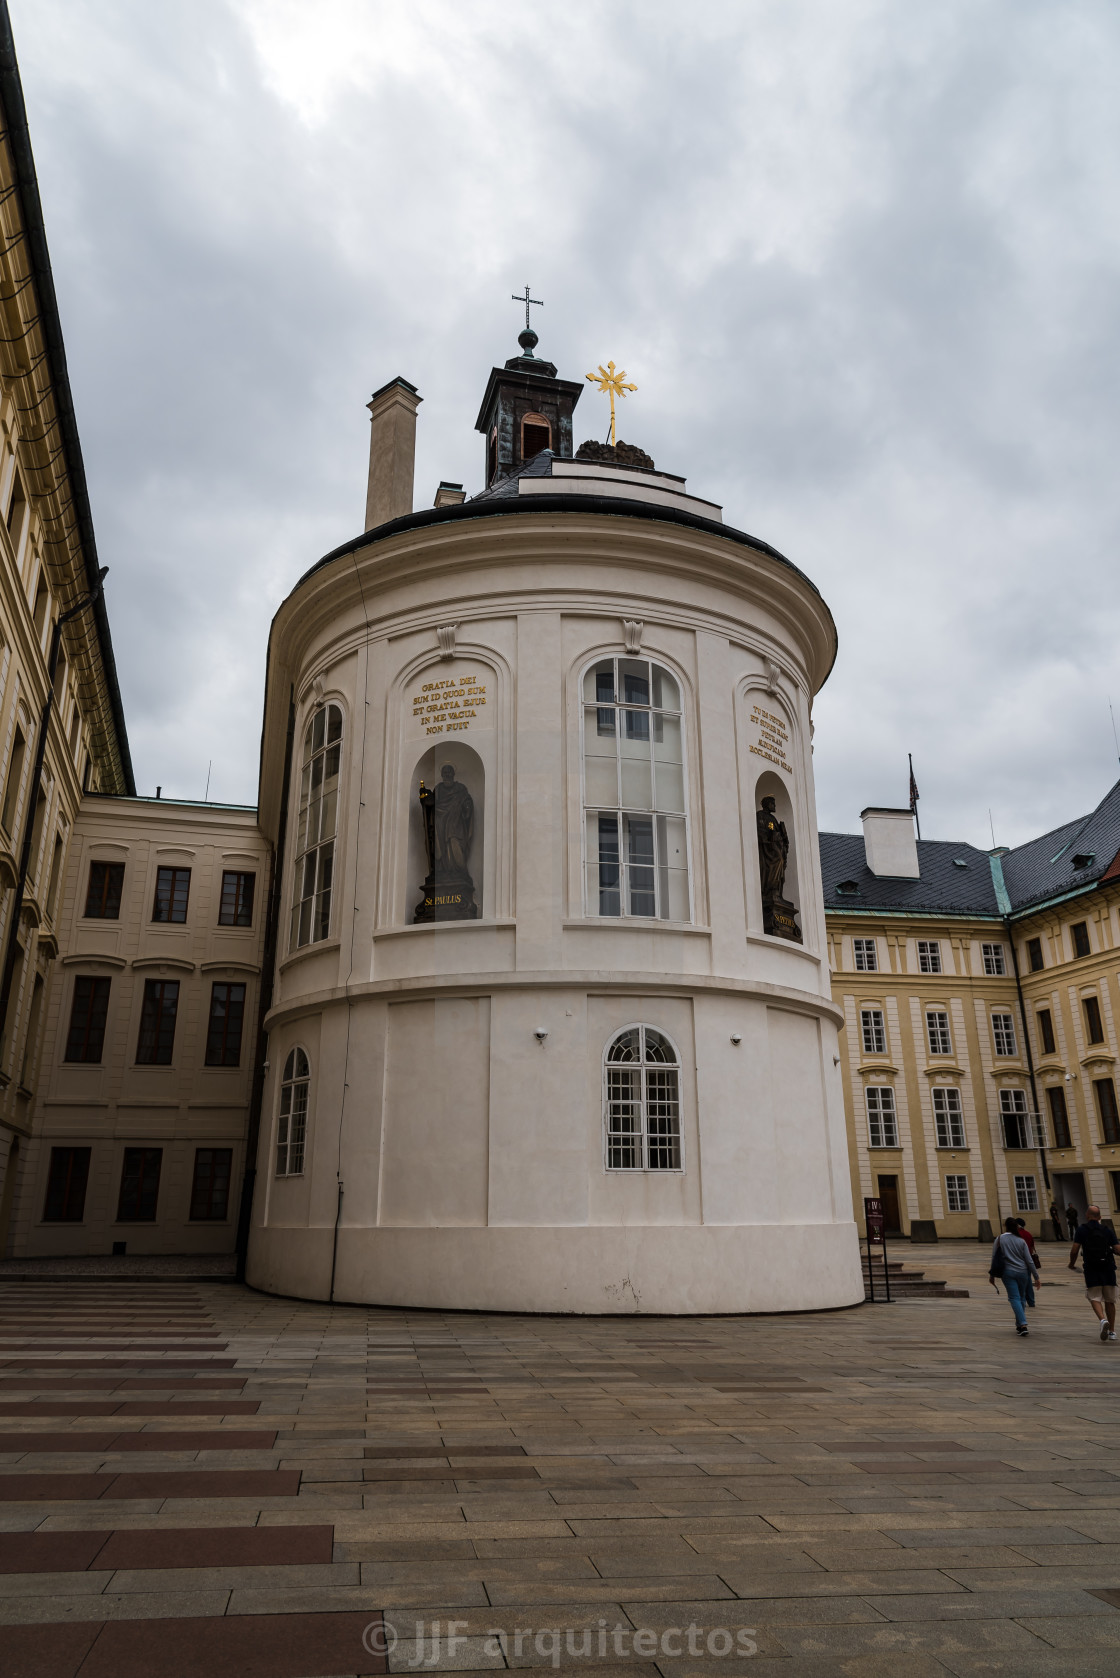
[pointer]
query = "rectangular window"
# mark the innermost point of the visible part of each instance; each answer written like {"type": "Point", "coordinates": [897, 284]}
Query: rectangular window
{"type": "Point", "coordinates": [1026, 1194]}
{"type": "Point", "coordinates": [1114, 1178]}
{"type": "Point", "coordinates": [937, 1029]}
{"type": "Point", "coordinates": [1059, 1116]}
{"type": "Point", "coordinates": [1106, 1106]}
{"type": "Point", "coordinates": [1034, 954]}
{"type": "Point", "coordinates": [1081, 945]}
{"type": "Point", "coordinates": [1093, 1023]}
{"type": "Point", "coordinates": [993, 960]}
{"type": "Point", "coordinates": [237, 899]}
{"type": "Point", "coordinates": [638, 865]}
{"type": "Point", "coordinates": [85, 1040]}
{"type": "Point", "coordinates": [66, 1186]}
{"type": "Point", "coordinates": [173, 886]}
{"type": "Point", "coordinates": [223, 1036]}
{"type": "Point", "coordinates": [1046, 1031]}
{"type": "Point", "coordinates": [956, 1194]}
{"type": "Point", "coordinates": [103, 898]}
{"type": "Point", "coordinates": [157, 1022]}
{"type": "Point", "coordinates": [1017, 1128]}
{"type": "Point", "coordinates": [874, 1035]}
{"type": "Point", "coordinates": [948, 1118]}
{"type": "Point", "coordinates": [291, 1132]}
{"type": "Point", "coordinates": [865, 957]}
{"type": "Point", "coordinates": [210, 1187]}
{"type": "Point", "coordinates": [929, 955]}
{"type": "Point", "coordinates": [1003, 1030]}
{"type": "Point", "coordinates": [882, 1121]}
{"type": "Point", "coordinates": [139, 1185]}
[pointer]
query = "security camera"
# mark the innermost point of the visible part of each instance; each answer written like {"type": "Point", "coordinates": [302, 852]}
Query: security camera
{"type": "Point", "coordinates": [541, 1033]}
{"type": "Point", "coordinates": [735, 1037]}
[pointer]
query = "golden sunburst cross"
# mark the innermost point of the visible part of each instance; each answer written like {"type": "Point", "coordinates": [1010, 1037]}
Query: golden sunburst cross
{"type": "Point", "coordinates": [611, 383]}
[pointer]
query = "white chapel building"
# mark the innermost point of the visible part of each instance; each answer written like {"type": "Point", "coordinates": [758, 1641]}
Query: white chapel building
{"type": "Point", "coordinates": [545, 992]}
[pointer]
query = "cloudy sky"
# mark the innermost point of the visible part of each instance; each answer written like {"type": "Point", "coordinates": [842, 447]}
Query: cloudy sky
{"type": "Point", "coordinates": [860, 256]}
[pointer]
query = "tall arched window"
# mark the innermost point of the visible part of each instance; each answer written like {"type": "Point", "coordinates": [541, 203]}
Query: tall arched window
{"type": "Point", "coordinates": [291, 1129]}
{"type": "Point", "coordinates": [642, 1102]}
{"type": "Point", "coordinates": [633, 781]}
{"type": "Point", "coordinates": [318, 824]}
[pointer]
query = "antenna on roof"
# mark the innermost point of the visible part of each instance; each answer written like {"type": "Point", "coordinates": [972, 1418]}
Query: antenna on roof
{"type": "Point", "coordinates": [206, 794]}
{"type": "Point", "coordinates": [1115, 741]}
{"type": "Point", "coordinates": [992, 825]}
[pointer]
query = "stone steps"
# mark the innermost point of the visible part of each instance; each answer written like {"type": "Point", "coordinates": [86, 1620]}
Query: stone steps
{"type": "Point", "coordinates": [907, 1284]}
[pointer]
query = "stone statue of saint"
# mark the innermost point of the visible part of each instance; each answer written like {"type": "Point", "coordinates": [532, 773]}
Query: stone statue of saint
{"type": "Point", "coordinates": [778, 914]}
{"type": "Point", "coordinates": [773, 849]}
{"type": "Point", "coordinates": [448, 812]}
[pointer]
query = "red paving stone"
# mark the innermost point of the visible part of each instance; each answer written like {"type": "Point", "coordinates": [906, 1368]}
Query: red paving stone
{"type": "Point", "coordinates": [246, 1646]}
{"type": "Point", "coordinates": [117, 1383]}
{"type": "Point", "coordinates": [213, 1439]}
{"type": "Point", "coordinates": [49, 1552]}
{"type": "Point", "coordinates": [203, 1482]}
{"type": "Point", "coordinates": [137, 1407]}
{"type": "Point", "coordinates": [218, 1547]}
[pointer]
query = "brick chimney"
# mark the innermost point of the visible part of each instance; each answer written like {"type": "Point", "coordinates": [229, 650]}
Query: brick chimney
{"type": "Point", "coordinates": [392, 452]}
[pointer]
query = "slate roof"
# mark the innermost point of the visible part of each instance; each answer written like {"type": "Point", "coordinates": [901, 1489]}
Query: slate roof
{"type": "Point", "coordinates": [1015, 882]}
{"type": "Point", "coordinates": [1043, 867]}
{"type": "Point", "coordinates": [506, 488]}
{"type": "Point", "coordinates": [943, 888]}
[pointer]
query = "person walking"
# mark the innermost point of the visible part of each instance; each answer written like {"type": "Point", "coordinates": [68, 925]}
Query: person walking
{"type": "Point", "coordinates": [1021, 1229]}
{"type": "Point", "coordinates": [1056, 1220]}
{"type": "Point", "coordinates": [1072, 1219]}
{"type": "Point", "coordinates": [1099, 1247]}
{"type": "Point", "coordinates": [1011, 1260]}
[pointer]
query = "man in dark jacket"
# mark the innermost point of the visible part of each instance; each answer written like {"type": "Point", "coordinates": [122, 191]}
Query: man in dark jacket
{"type": "Point", "coordinates": [1100, 1248]}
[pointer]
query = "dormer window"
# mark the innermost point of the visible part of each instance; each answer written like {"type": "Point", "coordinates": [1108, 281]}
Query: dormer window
{"type": "Point", "coordinates": [847, 888]}
{"type": "Point", "coordinates": [536, 434]}
{"type": "Point", "coordinates": [1083, 859]}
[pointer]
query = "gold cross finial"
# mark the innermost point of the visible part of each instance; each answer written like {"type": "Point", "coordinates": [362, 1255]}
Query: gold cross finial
{"type": "Point", "coordinates": [611, 384]}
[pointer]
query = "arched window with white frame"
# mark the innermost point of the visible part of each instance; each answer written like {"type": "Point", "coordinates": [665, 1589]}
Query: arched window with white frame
{"type": "Point", "coordinates": [642, 1101]}
{"type": "Point", "coordinates": [291, 1128]}
{"type": "Point", "coordinates": [635, 825]}
{"type": "Point", "coordinates": [317, 827]}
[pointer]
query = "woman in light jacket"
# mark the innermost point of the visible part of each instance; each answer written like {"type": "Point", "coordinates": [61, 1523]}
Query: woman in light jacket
{"type": "Point", "coordinates": [1011, 1259]}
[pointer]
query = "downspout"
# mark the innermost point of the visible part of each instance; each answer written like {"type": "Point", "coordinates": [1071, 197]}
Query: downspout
{"type": "Point", "coordinates": [268, 971]}
{"type": "Point", "coordinates": [33, 789]}
{"type": "Point", "coordinates": [1004, 903]}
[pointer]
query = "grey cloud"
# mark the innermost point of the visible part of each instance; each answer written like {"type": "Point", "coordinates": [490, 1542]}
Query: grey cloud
{"type": "Point", "coordinates": [859, 257]}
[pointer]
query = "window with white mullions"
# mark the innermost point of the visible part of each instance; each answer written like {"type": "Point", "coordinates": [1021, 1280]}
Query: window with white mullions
{"type": "Point", "coordinates": [633, 778]}
{"type": "Point", "coordinates": [937, 1029]}
{"type": "Point", "coordinates": [317, 827]}
{"type": "Point", "coordinates": [291, 1129]}
{"type": "Point", "coordinates": [1026, 1194]}
{"type": "Point", "coordinates": [956, 1193]}
{"type": "Point", "coordinates": [948, 1118]}
{"type": "Point", "coordinates": [1018, 1124]}
{"type": "Point", "coordinates": [874, 1031]}
{"type": "Point", "coordinates": [882, 1120]}
{"type": "Point", "coordinates": [642, 1102]}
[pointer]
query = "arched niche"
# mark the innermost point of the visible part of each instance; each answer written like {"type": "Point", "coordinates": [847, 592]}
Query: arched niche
{"type": "Point", "coordinates": [467, 772]}
{"type": "Point", "coordinates": [772, 785]}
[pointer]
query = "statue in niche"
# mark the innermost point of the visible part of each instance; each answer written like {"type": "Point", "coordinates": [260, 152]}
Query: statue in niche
{"type": "Point", "coordinates": [779, 915]}
{"type": "Point", "coordinates": [448, 813]}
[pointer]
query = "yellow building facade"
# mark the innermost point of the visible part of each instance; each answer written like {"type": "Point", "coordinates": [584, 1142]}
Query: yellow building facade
{"type": "Point", "coordinates": [60, 731]}
{"type": "Point", "coordinates": [980, 1001]}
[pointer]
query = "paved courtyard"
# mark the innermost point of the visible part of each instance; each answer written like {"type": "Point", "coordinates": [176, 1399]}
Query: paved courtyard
{"type": "Point", "coordinates": [199, 1480]}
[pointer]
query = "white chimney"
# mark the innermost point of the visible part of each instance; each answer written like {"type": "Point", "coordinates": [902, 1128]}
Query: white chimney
{"type": "Point", "coordinates": [392, 452]}
{"type": "Point", "coordinates": [889, 843]}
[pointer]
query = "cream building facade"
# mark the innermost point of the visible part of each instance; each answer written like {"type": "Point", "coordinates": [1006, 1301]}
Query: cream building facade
{"type": "Point", "coordinates": [64, 731]}
{"type": "Point", "coordinates": [980, 996]}
{"type": "Point", "coordinates": [143, 1098]}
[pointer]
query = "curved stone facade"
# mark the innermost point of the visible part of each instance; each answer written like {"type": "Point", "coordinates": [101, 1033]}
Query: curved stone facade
{"type": "Point", "coordinates": [455, 1148]}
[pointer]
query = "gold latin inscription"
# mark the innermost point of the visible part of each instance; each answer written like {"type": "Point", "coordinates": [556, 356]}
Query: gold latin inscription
{"type": "Point", "coordinates": [772, 738]}
{"type": "Point", "coordinates": [448, 706]}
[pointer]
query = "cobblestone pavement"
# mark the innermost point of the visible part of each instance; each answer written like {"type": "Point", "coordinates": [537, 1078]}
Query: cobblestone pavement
{"type": "Point", "coordinates": [199, 1480]}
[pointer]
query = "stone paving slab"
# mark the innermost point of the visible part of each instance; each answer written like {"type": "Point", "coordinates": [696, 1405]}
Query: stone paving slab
{"type": "Point", "coordinates": [876, 1491]}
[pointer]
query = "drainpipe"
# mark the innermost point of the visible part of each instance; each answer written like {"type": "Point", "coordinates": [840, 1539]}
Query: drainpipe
{"type": "Point", "coordinates": [268, 971]}
{"type": "Point", "coordinates": [1003, 902]}
{"type": "Point", "coordinates": [33, 798]}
